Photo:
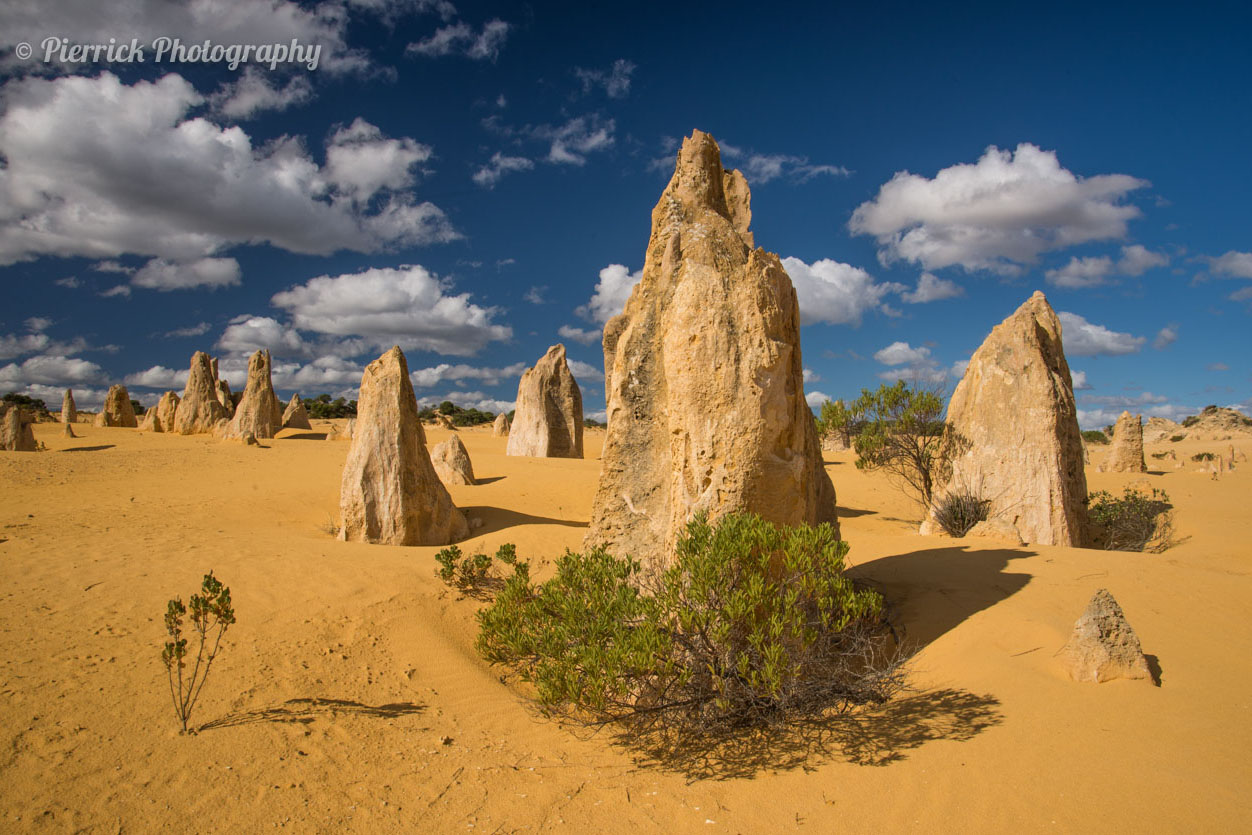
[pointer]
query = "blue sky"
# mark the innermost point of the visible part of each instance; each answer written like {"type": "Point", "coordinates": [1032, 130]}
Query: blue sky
{"type": "Point", "coordinates": [474, 182]}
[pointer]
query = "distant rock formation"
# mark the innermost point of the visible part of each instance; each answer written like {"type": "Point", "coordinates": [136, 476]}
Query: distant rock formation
{"type": "Point", "coordinates": [16, 434]}
{"type": "Point", "coordinates": [259, 411]}
{"type": "Point", "coordinates": [704, 378]}
{"type": "Point", "coordinates": [117, 410]}
{"type": "Point", "coordinates": [69, 412]}
{"type": "Point", "coordinates": [390, 493]}
{"type": "Point", "coordinates": [548, 421]}
{"type": "Point", "coordinates": [444, 422]}
{"type": "Point", "coordinates": [1015, 408]}
{"type": "Point", "coordinates": [344, 434]}
{"type": "Point", "coordinates": [160, 418]}
{"type": "Point", "coordinates": [199, 410]}
{"type": "Point", "coordinates": [452, 462]}
{"type": "Point", "coordinates": [501, 426]}
{"type": "Point", "coordinates": [296, 416]}
{"type": "Point", "coordinates": [1126, 453]}
{"type": "Point", "coordinates": [1159, 429]}
{"type": "Point", "coordinates": [1103, 645]}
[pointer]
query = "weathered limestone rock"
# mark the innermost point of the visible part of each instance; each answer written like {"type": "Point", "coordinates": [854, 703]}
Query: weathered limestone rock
{"type": "Point", "coordinates": [344, 434]}
{"type": "Point", "coordinates": [15, 432]}
{"type": "Point", "coordinates": [160, 418]}
{"type": "Point", "coordinates": [259, 412]}
{"type": "Point", "coordinates": [452, 462]}
{"type": "Point", "coordinates": [390, 493]}
{"type": "Point", "coordinates": [501, 427]}
{"type": "Point", "coordinates": [221, 390]}
{"type": "Point", "coordinates": [1126, 452]}
{"type": "Point", "coordinates": [199, 410]}
{"type": "Point", "coordinates": [1103, 645]}
{"type": "Point", "coordinates": [704, 378]}
{"type": "Point", "coordinates": [548, 422]}
{"type": "Point", "coordinates": [1015, 408]}
{"type": "Point", "coordinates": [997, 529]}
{"type": "Point", "coordinates": [67, 430]}
{"type": "Point", "coordinates": [444, 422]}
{"type": "Point", "coordinates": [117, 410]}
{"type": "Point", "coordinates": [296, 416]}
{"type": "Point", "coordinates": [69, 412]}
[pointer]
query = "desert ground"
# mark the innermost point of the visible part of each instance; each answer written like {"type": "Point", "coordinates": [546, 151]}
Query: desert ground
{"type": "Point", "coordinates": [349, 697]}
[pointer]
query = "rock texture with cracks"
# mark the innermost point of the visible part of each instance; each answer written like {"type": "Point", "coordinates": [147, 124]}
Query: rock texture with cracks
{"type": "Point", "coordinates": [548, 421]}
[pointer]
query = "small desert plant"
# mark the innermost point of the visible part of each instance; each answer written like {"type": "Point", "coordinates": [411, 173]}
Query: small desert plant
{"type": "Point", "coordinates": [1203, 456]}
{"type": "Point", "coordinates": [959, 511]}
{"type": "Point", "coordinates": [469, 572]}
{"type": "Point", "coordinates": [1095, 436]}
{"type": "Point", "coordinates": [1135, 522]}
{"type": "Point", "coordinates": [1160, 455]}
{"type": "Point", "coordinates": [211, 615]}
{"type": "Point", "coordinates": [1173, 439]}
{"type": "Point", "coordinates": [753, 624]}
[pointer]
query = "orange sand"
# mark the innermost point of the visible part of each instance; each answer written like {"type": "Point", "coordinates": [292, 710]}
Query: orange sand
{"type": "Point", "coordinates": [351, 663]}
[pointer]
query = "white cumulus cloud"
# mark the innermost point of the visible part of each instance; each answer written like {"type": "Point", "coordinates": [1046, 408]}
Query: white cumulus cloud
{"type": "Point", "coordinates": [488, 175]}
{"type": "Point", "coordinates": [586, 337]}
{"type": "Point", "coordinates": [932, 288]}
{"type": "Point", "coordinates": [612, 291]}
{"type": "Point", "coordinates": [159, 274]}
{"type": "Point", "coordinates": [254, 93]}
{"type": "Point", "coordinates": [997, 214]}
{"type": "Point", "coordinates": [834, 292]}
{"type": "Point", "coordinates": [461, 39]}
{"type": "Point", "coordinates": [1086, 339]}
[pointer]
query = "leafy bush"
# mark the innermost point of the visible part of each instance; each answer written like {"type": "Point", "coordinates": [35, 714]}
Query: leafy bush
{"type": "Point", "coordinates": [1135, 522]}
{"type": "Point", "coordinates": [1173, 439]}
{"type": "Point", "coordinates": [211, 614]}
{"type": "Point", "coordinates": [454, 413]}
{"type": "Point", "coordinates": [591, 423]}
{"type": "Point", "coordinates": [1189, 422]}
{"type": "Point", "coordinates": [1160, 455]}
{"type": "Point", "coordinates": [959, 511]}
{"type": "Point", "coordinates": [752, 624]}
{"type": "Point", "coordinates": [1203, 456]}
{"type": "Point", "coordinates": [323, 408]}
{"type": "Point", "coordinates": [31, 404]}
{"type": "Point", "coordinates": [469, 572]}
{"type": "Point", "coordinates": [840, 418]}
{"type": "Point", "coordinates": [1095, 436]}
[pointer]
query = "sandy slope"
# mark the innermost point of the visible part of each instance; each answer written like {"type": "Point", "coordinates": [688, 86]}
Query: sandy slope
{"type": "Point", "coordinates": [351, 664]}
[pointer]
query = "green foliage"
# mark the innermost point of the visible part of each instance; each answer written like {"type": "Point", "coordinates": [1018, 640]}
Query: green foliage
{"type": "Point", "coordinates": [593, 424]}
{"type": "Point", "coordinates": [838, 417]}
{"type": "Point", "coordinates": [323, 408]}
{"type": "Point", "coordinates": [1095, 436]}
{"type": "Point", "coordinates": [211, 615]}
{"type": "Point", "coordinates": [902, 432]}
{"type": "Point", "coordinates": [458, 416]}
{"type": "Point", "coordinates": [1135, 522]}
{"type": "Point", "coordinates": [1203, 456]}
{"type": "Point", "coordinates": [137, 407]}
{"type": "Point", "coordinates": [470, 572]}
{"type": "Point", "coordinates": [32, 404]}
{"type": "Point", "coordinates": [959, 511]}
{"type": "Point", "coordinates": [752, 624]}
{"type": "Point", "coordinates": [1173, 439]}
{"type": "Point", "coordinates": [1189, 422]}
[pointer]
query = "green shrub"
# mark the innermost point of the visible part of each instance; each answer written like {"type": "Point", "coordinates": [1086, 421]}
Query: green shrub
{"type": "Point", "coordinates": [1135, 522]}
{"type": "Point", "coordinates": [1160, 455]}
{"type": "Point", "coordinates": [1203, 456]}
{"type": "Point", "coordinates": [211, 615]}
{"type": "Point", "coordinates": [32, 404]}
{"type": "Point", "coordinates": [959, 511]}
{"type": "Point", "coordinates": [470, 572]}
{"type": "Point", "coordinates": [1173, 439]}
{"type": "Point", "coordinates": [323, 408]}
{"type": "Point", "coordinates": [1095, 436]}
{"type": "Point", "coordinates": [752, 624]}
{"type": "Point", "coordinates": [1188, 422]}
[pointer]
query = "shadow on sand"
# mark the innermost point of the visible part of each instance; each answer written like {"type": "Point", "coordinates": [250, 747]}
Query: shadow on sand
{"type": "Point", "coordinates": [499, 518]}
{"type": "Point", "coordinates": [934, 590]}
{"type": "Point", "coordinates": [852, 512]}
{"type": "Point", "coordinates": [874, 736]}
{"type": "Point", "coordinates": [88, 448]}
{"type": "Point", "coordinates": [490, 479]}
{"type": "Point", "coordinates": [305, 436]}
{"type": "Point", "coordinates": [304, 711]}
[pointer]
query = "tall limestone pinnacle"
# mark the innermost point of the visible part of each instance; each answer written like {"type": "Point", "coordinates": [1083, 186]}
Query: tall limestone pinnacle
{"type": "Point", "coordinates": [548, 421]}
{"type": "Point", "coordinates": [1015, 408]}
{"type": "Point", "coordinates": [704, 379]}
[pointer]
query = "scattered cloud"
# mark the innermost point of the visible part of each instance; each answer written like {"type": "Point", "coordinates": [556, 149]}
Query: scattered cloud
{"type": "Point", "coordinates": [1118, 401]}
{"type": "Point", "coordinates": [248, 334]}
{"type": "Point", "coordinates": [1094, 271]}
{"type": "Point", "coordinates": [1137, 259]}
{"type": "Point", "coordinates": [36, 341]}
{"type": "Point", "coordinates": [1166, 336]}
{"type": "Point", "coordinates": [488, 175]}
{"type": "Point", "coordinates": [815, 399]}
{"type": "Point", "coordinates": [615, 80]}
{"type": "Point", "coordinates": [586, 337]}
{"type": "Point", "coordinates": [611, 293]}
{"type": "Point", "coordinates": [50, 370]}
{"type": "Point", "coordinates": [834, 292]}
{"type": "Point", "coordinates": [442, 373]}
{"type": "Point", "coordinates": [931, 288]}
{"type": "Point", "coordinates": [1079, 379]}
{"type": "Point", "coordinates": [535, 294]}
{"type": "Point", "coordinates": [759, 169]}
{"type": "Point", "coordinates": [158, 377]}
{"type": "Point", "coordinates": [909, 363]}
{"type": "Point", "coordinates": [1085, 339]}
{"type": "Point", "coordinates": [997, 214]}
{"type": "Point", "coordinates": [193, 330]}
{"type": "Point", "coordinates": [473, 400]}
{"type": "Point", "coordinates": [811, 376]}
{"type": "Point", "coordinates": [1233, 264]}
{"type": "Point", "coordinates": [70, 281]}
{"type": "Point", "coordinates": [585, 371]}
{"type": "Point", "coordinates": [112, 267]}
{"type": "Point", "coordinates": [1104, 416]}
{"type": "Point", "coordinates": [159, 274]}
{"type": "Point", "coordinates": [571, 142]}
{"type": "Point", "coordinates": [1241, 295]}
{"type": "Point", "coordinates": [1217, 366]}
{"type": "Point", "coordinates": [119, 290]}
{"type": "Point", "coordinates": [254, 93]}
{"type": "Point", "coordinates": [408, 306]}
{"type": "Point", "coordinates": [461, 39]}
{"type": "Point", "coordinates": [98, 168]}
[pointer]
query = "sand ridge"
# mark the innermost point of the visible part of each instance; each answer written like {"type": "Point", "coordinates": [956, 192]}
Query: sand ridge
{"type": "Point", "coordinates": [349, 698]}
